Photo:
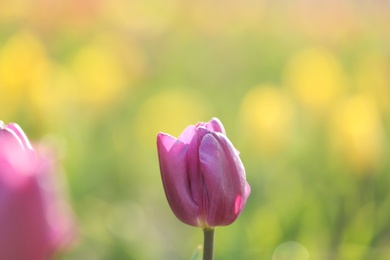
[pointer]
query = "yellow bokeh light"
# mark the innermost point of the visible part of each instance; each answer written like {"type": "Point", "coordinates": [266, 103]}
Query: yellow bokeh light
{"type": "Point", "coordinates": [23, 63]}
{"type": "Point", "coordinates": [357, 133]}
{"type": "Point", "coordinates": [170, 112]}
{"type": "Point", "coordinates": [266, 113]}
{"type": "Point", "coordinates": [53, 97]}
{"type": "Point", "coordinates": [98, 73]}
{"type": "Point", "coordinates": [316, 78]}
{"type": "Point", "coordinates": [373, 76]}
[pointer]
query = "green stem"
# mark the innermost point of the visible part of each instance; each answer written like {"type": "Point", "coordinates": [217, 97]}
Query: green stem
{"type": "Point", "coordinates": [208, 244]}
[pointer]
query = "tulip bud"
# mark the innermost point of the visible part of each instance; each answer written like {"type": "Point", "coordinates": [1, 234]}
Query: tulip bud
{"type": "Point", "coordinates": [203, 176]}
{"type": "Point", "coordinates": [34, 222]}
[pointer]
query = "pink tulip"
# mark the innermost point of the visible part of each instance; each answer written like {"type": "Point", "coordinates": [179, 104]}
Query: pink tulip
{"type": "Point", "coordinates": [34, 221]}
{"type": "Point", "coordinates": [202, 174]}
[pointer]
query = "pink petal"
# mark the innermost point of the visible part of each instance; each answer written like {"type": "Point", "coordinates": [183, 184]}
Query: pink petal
{"type": "Point", "coordinates": [27, 231]}
{"type": "Point", "coordinates": [9, 139]}
{"type": "Point", "coordinates": [194, 171]}
{"type": "Point", "coordinates": [224, 179]}
{"type": "Point", "coordinates": [25, 234]}
{"type": "Point", "coordinates": [215, 125]}
{"type": "Point", "coordinates": [22, 136]}
{"type": "Point", "coordinates": [187, 135]}
{"type": "Point", "coordinates": [236, 165]}
{"type": "Point", "coordinates": [172, 155]}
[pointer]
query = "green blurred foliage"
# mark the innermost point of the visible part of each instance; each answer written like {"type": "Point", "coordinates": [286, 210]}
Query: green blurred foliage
{"type": "Point", "coordinates": [302, 87]}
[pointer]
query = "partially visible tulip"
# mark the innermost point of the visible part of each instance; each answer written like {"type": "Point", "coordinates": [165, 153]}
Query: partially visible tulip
{"type": "Point", "coordinates": [34, 221]}
{"type": "Point", "coordinates": [203, 176]}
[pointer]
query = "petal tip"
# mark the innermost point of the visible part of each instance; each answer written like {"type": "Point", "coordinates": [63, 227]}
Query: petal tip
{"type": "Point", "coordinates": [217, 125]}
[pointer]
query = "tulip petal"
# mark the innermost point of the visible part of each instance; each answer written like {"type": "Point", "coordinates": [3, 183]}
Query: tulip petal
{"type": "Point", "coordinates": [237, 166]}
{"type": "Point", "coordinates": [224, 179]}
{"type": "Point", "coordinates": [30, 228]}
{"type": "Point", "coordinates": [187, 135]}
{"type": "Point", "coordinates": [22, 136]}
{"type": "Point", "coordinates": [215, 125]}
{"type": "Point", "coordinates": [25, 232]}
{"type": "Point", "coordinates": [12, 158]}
{"type": "Point", "coordinates": [9, 139]}
{"type": "Point", "coordinates": [194, 172]}
{"type": "Point", "coordinates": [172, 155]}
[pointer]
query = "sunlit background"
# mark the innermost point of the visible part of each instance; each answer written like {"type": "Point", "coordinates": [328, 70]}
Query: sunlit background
{"type": "Point", "coordinates": [302, 87]}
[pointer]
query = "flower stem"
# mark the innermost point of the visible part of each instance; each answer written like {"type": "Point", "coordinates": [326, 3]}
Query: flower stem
{"type": "Point", "coordinates": [208, 244]}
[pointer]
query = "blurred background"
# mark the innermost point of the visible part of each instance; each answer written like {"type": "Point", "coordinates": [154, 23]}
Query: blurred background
{"type": "Point", "coordinates": [302, 87]}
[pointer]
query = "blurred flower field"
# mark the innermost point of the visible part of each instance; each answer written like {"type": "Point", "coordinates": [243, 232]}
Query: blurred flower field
{"type": "Point", "coordinates": [302, 87]}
